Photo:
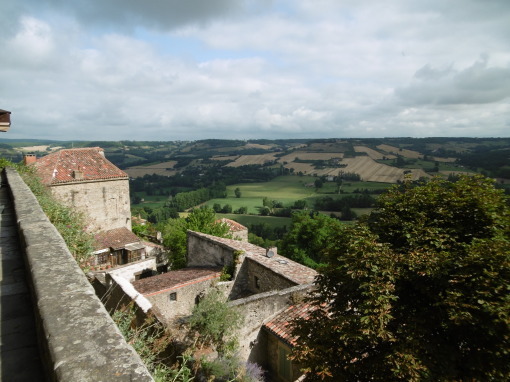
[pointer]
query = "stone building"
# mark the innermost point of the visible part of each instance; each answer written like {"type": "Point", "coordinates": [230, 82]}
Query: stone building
{"type": "Point", "coordinates": [262, 286]}
{"type": "Point", "coordinates": [280, 342]}
{"type": "Point", "coordinates": [85, 180]}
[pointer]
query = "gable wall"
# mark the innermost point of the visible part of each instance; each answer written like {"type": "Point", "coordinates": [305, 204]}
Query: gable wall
{"type": "Point", "coordinates": [203, 252]}
{"type": "Point", "coordinates": [106, 204]}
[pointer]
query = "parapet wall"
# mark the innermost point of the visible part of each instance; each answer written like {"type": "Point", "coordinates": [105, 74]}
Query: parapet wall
{"type": "Point", "coordinates": [79, 340]}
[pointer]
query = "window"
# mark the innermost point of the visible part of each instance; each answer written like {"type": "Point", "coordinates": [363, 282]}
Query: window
{"type": "Point", "coordinates": [284, 364]}
{"type": "Point", "coordinates": [103, 258]}
{"type": "Point", "coordinates": [172, 296]}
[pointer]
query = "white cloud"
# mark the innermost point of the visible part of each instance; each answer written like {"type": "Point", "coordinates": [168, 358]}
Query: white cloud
{"type": "Point", "coordinates": [110, 70]}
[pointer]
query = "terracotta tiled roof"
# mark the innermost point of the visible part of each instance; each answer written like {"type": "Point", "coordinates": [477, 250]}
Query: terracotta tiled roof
{"type": "Point", "coordinates": [115, 238]}
{"type": "Point", "coordinates": [77, 165]}
{"type": "Point", "coordinates": [280, 325]}
{"type": "Point", "coordinates": [233, 225]}
{"type": "Point", "coordinates": [284, 266]}
{"type": "Point", "coordinates": [174, 279]}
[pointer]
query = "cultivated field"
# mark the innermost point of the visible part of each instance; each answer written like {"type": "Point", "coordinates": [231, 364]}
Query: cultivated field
{"type": "Point", "coordinates": [375, 155]}
{"type": "Point", "coordinates": [245, 160]}
{"type": "Point", "coordinates": [305, 168]}
{"type": "Point", "coordinates": [165, 169]}
{"type": "Point", "coordinates": [329, 147]}
{"type": "Point", "coordinates": [257, 146]}
{"type": "Point", "coordinates": [224, 157]}
{"type": "Point", "coordinates": [371, 171]}
{"type": "Point", "coordinates": [368, 169]}
{"type": "Point", "coordinates": [303, 155]}
{"type": "Point", "coordinates": [38, 148]}
{"type": "Point", "coordinates": [446, 160]}
{"type": "Point", "coordinates": [404, 152]}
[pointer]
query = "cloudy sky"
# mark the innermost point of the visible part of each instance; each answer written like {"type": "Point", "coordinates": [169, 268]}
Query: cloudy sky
{"type": "Point", "coordinates": [197, 69]}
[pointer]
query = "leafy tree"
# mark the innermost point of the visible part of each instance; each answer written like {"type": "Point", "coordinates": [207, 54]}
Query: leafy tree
{"type": "Point", "coordinates": [215, 322]}
{"type": "Point", "coordinates": [227, 209]}
{"type": "Point", "coordinates": [319, 183]}
{"type": "Point", "coordinates": [308, 235]}
{"type": "Point", "coordinates": [300, 204]}
{"type": "Point", "coordinates": [241, 210]}
{"type": "Point", "coordinates": [419, 291]}
{"type": "Point", "coordinates": [174, 232]}
{"type": "Point", "coordinates": [237, 192]}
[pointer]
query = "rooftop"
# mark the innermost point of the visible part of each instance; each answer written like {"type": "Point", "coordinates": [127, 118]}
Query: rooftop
{"type": "Point", "coordinates": [233, 225]}
{"type": "Point", "coordinates": [77, 165]}
{"type": "Point", "coordinates": [284, 266]}
{"type": "Point", "coordinates": [115, 238]}
{"type": "Point", "coordinates": [280, 326]}
{"type": "Point", "coordinates": [174, 279]}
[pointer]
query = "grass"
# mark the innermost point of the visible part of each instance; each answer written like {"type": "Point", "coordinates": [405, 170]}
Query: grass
{"type": "Point", "coordinates": [286, 189]}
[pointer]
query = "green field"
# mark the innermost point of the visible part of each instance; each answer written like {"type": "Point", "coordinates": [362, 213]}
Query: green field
{"type": "Point", "coordinates": [285, 189]}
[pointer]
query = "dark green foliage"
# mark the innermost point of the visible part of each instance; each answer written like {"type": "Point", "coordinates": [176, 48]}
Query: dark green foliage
{"type": "Point", "coordinates": [328, 203]}
{"type": "Point", "coordinates": [175, 236]}
{"type": "Point", "coordinates": [418, 292]}
{"type": "Point", "coordinates": [307, 237]}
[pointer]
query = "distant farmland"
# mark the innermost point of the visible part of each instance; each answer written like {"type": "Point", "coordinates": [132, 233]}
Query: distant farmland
{"type": "Point", "coordinates": [245, 160]}
{"type": "Point", "coordinates": [165, 169]}
{"type": "Point", "coordinates": [375, 155]}
{"type": "Point", "coordinates": [405, 153]}
{"type": "Point", "coordinates": [303, 155]}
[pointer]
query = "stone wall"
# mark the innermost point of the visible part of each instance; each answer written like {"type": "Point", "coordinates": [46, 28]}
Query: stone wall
{"type": "Point", "coordinates": [105, 203]}
{"type": "Point", "coordinates": [131, 270]}
{"type": "Point", "coordinates": [204, 252]}
{"type": "Point", "coordinates": [273, 346]}
{"type": "Point", "coordinates": [186, 296]}
{"type": "Point", "coordinates": [258, 309]}
{"type": "Point", "coordinates": [79, 340]}
{"type": "Point", "coordinates": [260, 279]}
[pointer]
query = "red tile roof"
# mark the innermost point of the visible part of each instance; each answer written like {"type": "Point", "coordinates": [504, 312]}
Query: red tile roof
{"type": "Point", "coordinates": [77, 165]}
{"type": "Point", "coordinates": [281, 265]}
{"type": "Point", "coordinates": [233, 225]}
{"type": "Point", "coordinates": [115, 238]}
{"type": "Point", "coordinates": [174, 279]}
{"type": "Point", "coordinates": [280, 325]}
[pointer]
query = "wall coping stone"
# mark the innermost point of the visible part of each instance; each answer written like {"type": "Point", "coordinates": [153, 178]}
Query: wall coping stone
{"type": "Point", "coordinates": [79, 340]}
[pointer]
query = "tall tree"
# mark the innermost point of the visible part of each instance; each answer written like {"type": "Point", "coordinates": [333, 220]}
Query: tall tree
{"type": "Point", "coordinates": [419, 291]}
{"type": "Point", "coordinates": [307, 237]}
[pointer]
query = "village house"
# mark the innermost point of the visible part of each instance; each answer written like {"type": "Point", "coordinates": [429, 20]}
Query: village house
{"type": "Point", "coordinates": [83, 179]}
{"type": "Point", "coordinates": [260, 284]}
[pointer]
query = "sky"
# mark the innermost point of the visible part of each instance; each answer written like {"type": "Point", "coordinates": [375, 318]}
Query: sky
{"type": "Point", "coordinates": [247, 69]}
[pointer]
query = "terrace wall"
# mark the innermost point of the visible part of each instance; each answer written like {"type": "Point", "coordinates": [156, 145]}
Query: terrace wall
{"type": "Point", "coordinates": [78, 339]}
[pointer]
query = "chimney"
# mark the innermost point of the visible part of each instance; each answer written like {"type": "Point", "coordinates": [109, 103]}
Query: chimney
{"type": "Point", "coordinates": [29, 159]}
{"type": "Point", "coordinates": [270, 252]}
{"type": "Point", "coordinates": [78, 175]}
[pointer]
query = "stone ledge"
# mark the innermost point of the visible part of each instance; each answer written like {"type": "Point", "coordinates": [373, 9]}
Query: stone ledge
{"type": "Point", "coordinates": [79, 340]}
